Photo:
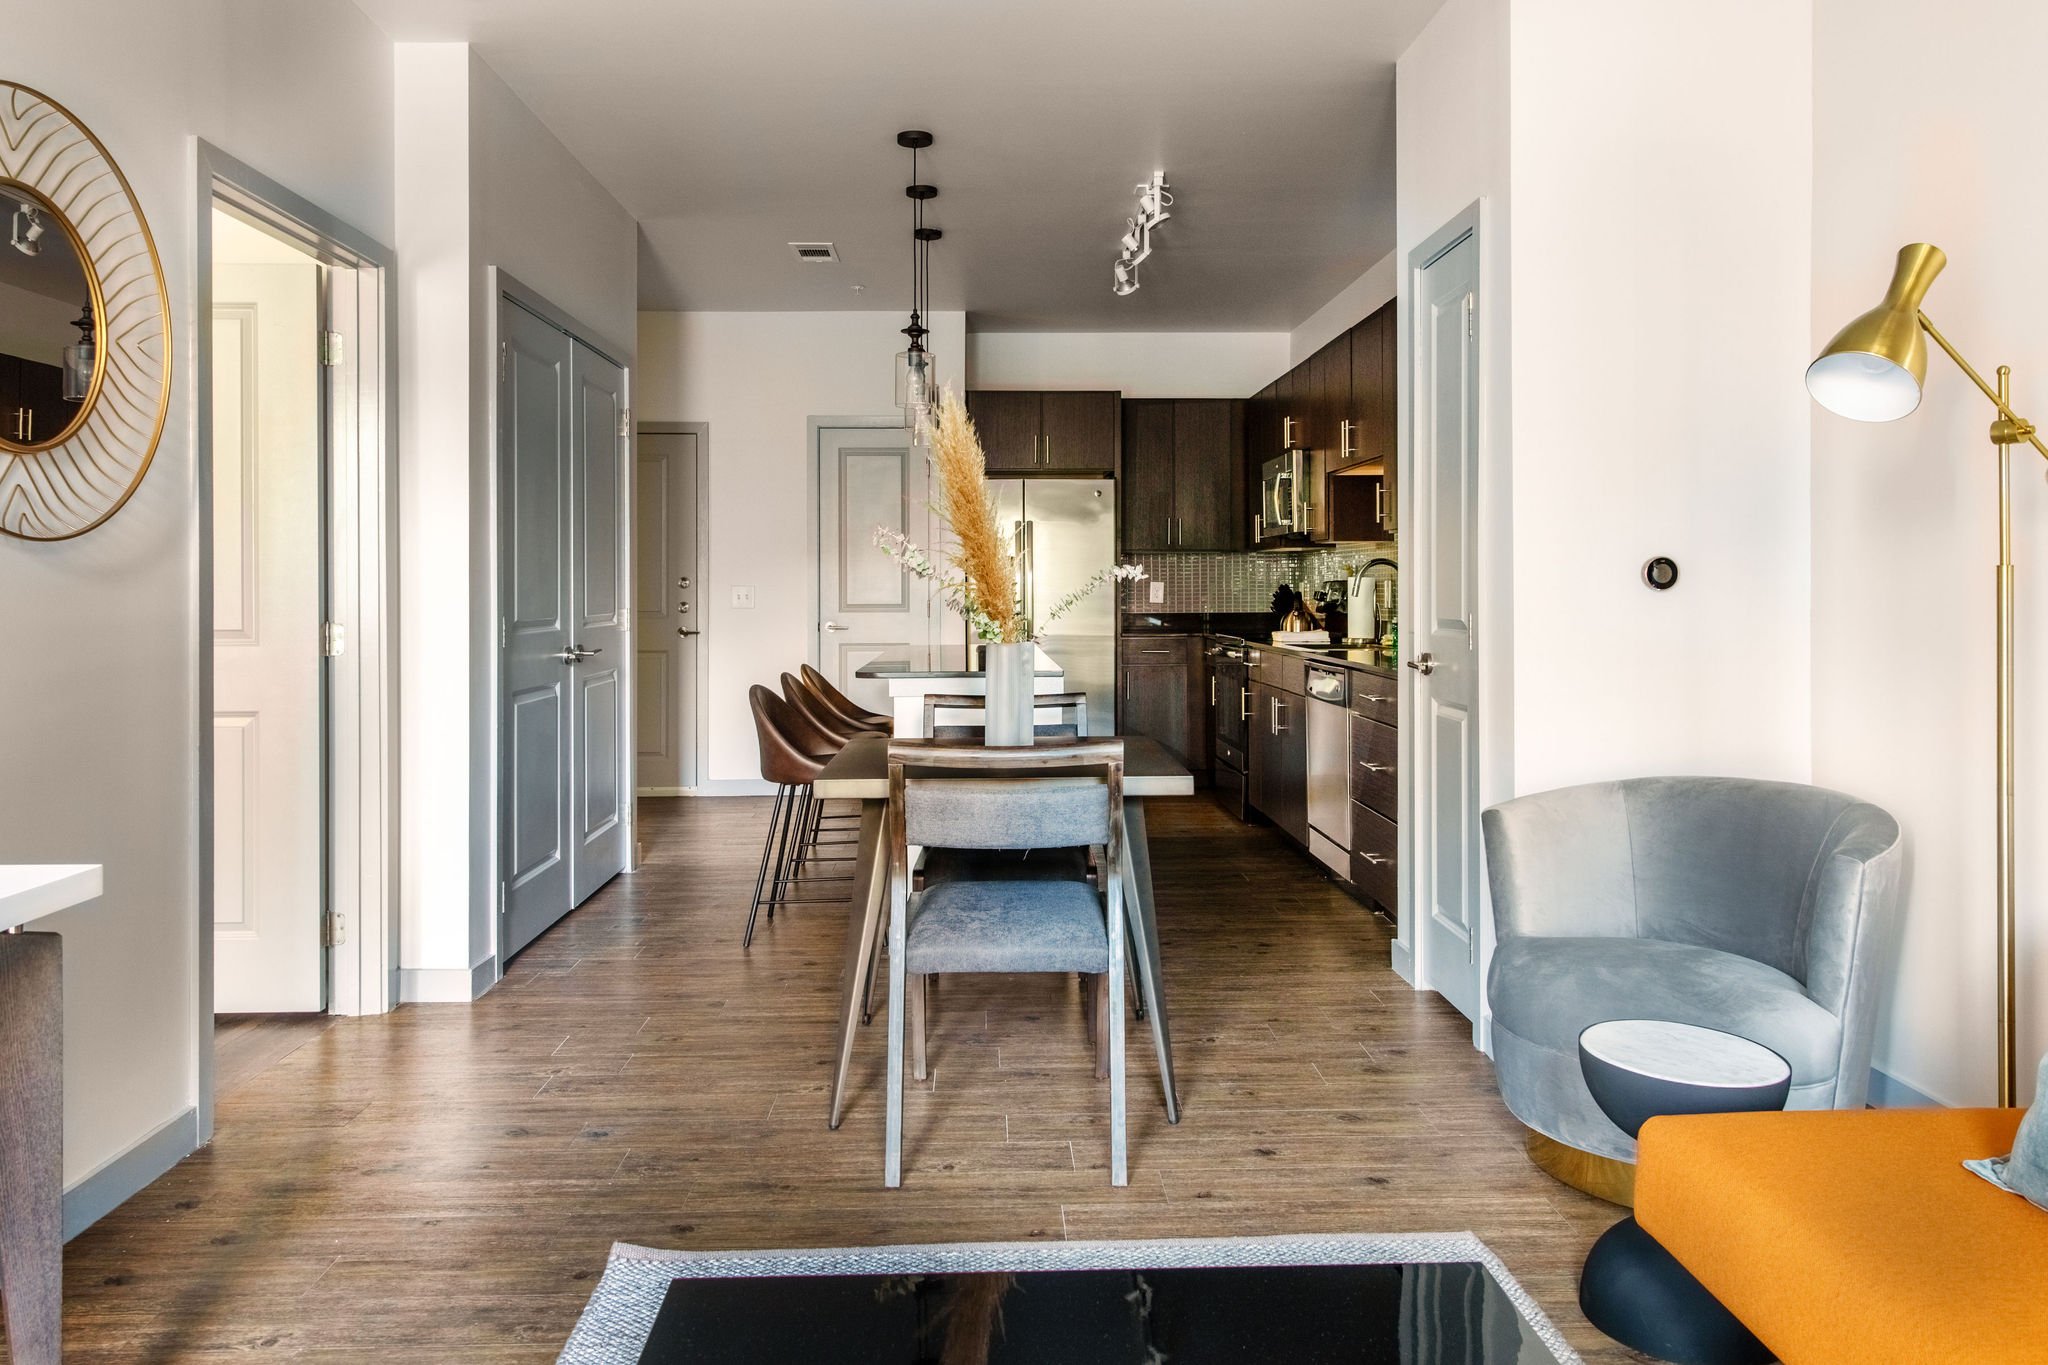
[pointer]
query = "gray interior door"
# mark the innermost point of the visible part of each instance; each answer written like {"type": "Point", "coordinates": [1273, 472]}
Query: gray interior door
{"type": "Point", "coordinates": [665, 596]}
{"type": "Point", "coordinates": [597, 606]}
{"type": "Point", "coordinates": [534, 423]}
{"type": "Point", "coordinates": [869, 609]}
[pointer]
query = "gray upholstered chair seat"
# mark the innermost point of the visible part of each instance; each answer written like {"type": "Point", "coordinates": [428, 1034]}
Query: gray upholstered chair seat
{"type": "Point", "coordinates": [1005, 865]}
{"type": "Point", "coordinates": [1007, 926]}
{"type": "Point", "coordinates": [1549, 990]}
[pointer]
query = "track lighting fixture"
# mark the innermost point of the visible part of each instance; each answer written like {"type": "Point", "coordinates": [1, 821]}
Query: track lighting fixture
{"type": "Point", "coordinates": [1153, 202]}
{"type": "Point", "coordinates": [27, 230]}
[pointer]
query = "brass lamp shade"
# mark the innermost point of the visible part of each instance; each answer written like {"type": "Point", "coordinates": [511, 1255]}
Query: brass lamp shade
{"type": "Point", "coordinates": [1873, 369]}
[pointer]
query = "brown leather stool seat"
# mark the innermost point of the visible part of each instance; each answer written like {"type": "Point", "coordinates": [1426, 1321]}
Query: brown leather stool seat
{"type": "Point", "coordinates": [794, 750]}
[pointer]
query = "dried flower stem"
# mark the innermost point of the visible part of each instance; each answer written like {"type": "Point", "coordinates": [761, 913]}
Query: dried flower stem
{"type": "Point", "coordinates": [985, 557]}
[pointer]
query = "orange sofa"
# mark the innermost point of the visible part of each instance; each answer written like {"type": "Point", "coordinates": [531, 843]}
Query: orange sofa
{"type": "Point", "coordinates": [1854, 1235]}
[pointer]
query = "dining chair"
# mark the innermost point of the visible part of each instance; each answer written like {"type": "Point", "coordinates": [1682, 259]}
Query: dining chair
{"type": "Point", "coordinates": [846, 707]}
{"type": "Point", "coordinates": [935, 702]}
{"type": "Point", "coordinates": [1053, 796]}
{"type": "Point", "coordinates": [791, 759]}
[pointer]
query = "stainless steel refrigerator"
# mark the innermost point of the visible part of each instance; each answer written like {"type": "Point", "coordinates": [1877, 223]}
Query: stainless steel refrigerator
{"type": "Point", "coordinates": [1065, 532]}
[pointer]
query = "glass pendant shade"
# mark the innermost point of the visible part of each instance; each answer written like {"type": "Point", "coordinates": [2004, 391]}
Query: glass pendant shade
{"type": "Point", "coordinates": [917, 384]}
{"type": "Point", "coordinates": [78, 363]}
{"type": "Point", "coordinates": [1873, 369]}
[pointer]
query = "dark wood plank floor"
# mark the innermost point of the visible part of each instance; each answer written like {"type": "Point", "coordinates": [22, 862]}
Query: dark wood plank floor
{"type": "Point", "coordinates": [442, 1183]}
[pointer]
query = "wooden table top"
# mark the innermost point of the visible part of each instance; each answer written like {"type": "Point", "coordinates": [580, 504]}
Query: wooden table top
{"type": "Point", "coordinates": [860, 771]}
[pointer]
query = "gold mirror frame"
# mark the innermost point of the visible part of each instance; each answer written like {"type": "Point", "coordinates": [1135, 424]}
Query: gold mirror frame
{"type": "Point", "coordinates": [98, 305]}
{"type": "Point", "coordinates": [63, 488]}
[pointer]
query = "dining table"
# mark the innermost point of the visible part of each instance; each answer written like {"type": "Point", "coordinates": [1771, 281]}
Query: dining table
{"type": "Point", "coordinates": [860, 772]}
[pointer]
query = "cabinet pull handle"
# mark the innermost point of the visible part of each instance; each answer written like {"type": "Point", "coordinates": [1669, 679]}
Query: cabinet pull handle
{"type": "Point", "coordinates": [1346, 450]}
{"type": "Point", "coordinates": [1244, 703]}
{"type": "Point", "coordinates": [1379, 504]}
{"type": "Point", "coordinates": [1212, 691]}
{"type": "Point", "coordinates": [1278, 728]}
{"type": "Point", "coordinates": [1377, 860]}
{"type": "Point", "coordinates": [1375, 767]}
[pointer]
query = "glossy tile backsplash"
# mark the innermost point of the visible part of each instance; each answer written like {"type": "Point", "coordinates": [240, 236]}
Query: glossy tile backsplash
{"type": "Point", "coordinates": [1208, 582]}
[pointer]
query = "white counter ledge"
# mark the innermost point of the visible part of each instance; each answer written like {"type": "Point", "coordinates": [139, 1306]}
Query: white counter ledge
{"type": "Point", "coordinates": [32, 890]}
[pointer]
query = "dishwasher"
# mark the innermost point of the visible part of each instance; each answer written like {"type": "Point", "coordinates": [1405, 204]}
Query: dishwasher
{"type": "Point", "coordinates": [1329, 767]}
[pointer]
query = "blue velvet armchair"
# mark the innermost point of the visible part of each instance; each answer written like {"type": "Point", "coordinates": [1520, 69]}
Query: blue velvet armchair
{"type": "Point", "coordinates": [1763, 909]}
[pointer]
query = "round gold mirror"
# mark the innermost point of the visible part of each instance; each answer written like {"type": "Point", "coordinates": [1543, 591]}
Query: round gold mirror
{"type": "Point", "coordinates": [50, 317]}
{"type": "Point", "coordinates": [85, 326]}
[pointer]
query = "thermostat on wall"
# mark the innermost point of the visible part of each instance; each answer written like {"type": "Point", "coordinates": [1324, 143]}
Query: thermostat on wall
{"type": "Point", "coordinates": [1661, 573]}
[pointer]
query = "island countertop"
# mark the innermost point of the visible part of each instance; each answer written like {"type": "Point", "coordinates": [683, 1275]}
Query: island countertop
{"type": "Point", "coordinates": [30, 891]}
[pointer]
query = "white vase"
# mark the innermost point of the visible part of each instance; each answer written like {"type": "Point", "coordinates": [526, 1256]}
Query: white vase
{"type": "Point", "coordinates": [1012, 673]}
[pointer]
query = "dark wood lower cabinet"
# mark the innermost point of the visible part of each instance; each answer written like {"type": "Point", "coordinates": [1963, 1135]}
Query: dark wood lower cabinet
{"type": "Point", "coordinates": [1160, 693]}
{"type": "Point", "coordinates": [1375, 849]}
{"type": "Point", "coordinates": [1279, 758]}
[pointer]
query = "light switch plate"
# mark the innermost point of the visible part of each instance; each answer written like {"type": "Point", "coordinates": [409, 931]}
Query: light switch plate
{"type": "Point", "coordinates": [1158, 591]}
{"type": "Point", "coordinates": [743, 598]}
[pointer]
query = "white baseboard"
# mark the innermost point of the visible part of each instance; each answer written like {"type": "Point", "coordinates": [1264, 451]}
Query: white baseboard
{"type": "Point", "coordinates": [446, 985]}
{"type": "Point", "coordinates": [664, 791]}
{"type": "Point", "coordinates": [733, 786]}
{"type": "Point", "coordinates": [1889, 1092]}
{"type": "Point", "coordinates": [1403, 962]}
{"type": "Point", "coordinates": [128, 1174]}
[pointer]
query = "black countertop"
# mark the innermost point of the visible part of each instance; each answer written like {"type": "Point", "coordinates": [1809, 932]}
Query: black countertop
{"type": "Point", "coordinates": [1257, 628]}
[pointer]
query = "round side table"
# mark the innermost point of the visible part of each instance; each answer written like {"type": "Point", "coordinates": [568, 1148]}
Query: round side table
{"type": "Point", "coordinates": [1632, 1288]}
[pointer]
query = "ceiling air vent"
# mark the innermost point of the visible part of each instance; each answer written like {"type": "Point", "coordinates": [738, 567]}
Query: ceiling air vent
{"type": "Point", "coordinates": [818, 253]}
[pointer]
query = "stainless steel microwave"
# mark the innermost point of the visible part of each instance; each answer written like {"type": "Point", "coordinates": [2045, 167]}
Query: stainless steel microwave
{"type": "Point", "coordinates": [1286, 513]}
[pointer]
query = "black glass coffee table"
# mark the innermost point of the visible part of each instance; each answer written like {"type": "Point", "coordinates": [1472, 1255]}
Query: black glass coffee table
{"type": "Point", "coordinates": [1427, 1299]}
{"type": "Point", "coordinates": [1444, 1314]}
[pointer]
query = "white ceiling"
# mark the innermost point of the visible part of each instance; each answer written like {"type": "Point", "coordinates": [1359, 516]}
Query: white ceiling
{"type": "Point", "coordinates": [730, 129]}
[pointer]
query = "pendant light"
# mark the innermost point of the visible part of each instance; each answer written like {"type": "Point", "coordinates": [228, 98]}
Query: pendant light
{"type": "Point", "coordinates": [917, 380]}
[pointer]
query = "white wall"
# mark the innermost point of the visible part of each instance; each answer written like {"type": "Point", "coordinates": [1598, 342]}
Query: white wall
{"type": "Point", "coordinates": [757, 379]}
{"type": "Point", "coordinates": [1137, 364]}
{"type": "Point", "coordinates": [1355, 301]}
{"type": "Point", "coordinates": [1451, 151]}
{"type": "Point", "coordinates": [35, 326]}
{"type": "Point", "coordinates": [103, 764]}
{"type": "Point", "coordinates": [1905, 514]}
{"type": "Point", "coordinates": [481, 183]}
{"type": "Point", "coordinates": [1661, 170]}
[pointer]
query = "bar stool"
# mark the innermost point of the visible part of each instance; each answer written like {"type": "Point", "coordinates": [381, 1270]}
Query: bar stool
{"type": "Point", "coordinates": [793, 753]}
{"type": "Point", "coordinates": [844, 706]}
{"type": "Point", "coordinates": [836, 734]}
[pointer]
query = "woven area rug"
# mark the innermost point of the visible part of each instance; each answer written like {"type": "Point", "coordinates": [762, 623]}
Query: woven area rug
{"type": "Point", "coordinates": [615, 1326]}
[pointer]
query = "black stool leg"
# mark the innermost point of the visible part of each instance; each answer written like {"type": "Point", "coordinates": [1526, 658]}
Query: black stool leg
{"type": "Point", "coordinates": [1636, 1292]}
{"type": "Point", "coordinates": [761, 877]}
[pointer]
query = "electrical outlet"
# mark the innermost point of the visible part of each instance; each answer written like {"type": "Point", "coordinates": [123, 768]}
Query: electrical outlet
{"type": "Point", "coordinates": [1158, 591]}
{"type": "Point", "coordinates": [743, 598]}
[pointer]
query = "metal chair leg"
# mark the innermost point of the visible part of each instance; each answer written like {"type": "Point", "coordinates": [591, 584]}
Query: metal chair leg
{"type": "Point", "coordinates": [919, 1006]}
{"type": "Point", "coordinates": [784, 863]}
{"type": "Point", "coordinates": [761, 877]}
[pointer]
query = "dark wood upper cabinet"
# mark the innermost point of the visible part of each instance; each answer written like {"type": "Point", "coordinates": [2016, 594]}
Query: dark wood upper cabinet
{"type": "Point", "coordinates": [1024, 431]}
{"type": "Point", "coordinates": [1209, 475]}
{"type": "Point", "coordinates": [1007, 420]}
{"type": "Point", "coordinates": [1078, 432]}
{"type": "Point", "coordinates": [1329, 383]}
{"type": "Point", "coordinates": [1184, 483]}
{"type": "Point", "coordinates": [1146, 488]}
{"type": "Point", "coordinates": [1291, 391]}
{"type": "Point", "coordinates": [1362, 504]}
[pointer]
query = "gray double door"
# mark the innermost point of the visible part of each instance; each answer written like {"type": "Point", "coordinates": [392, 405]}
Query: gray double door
{"type": "Point", "coordinates": [561, 455]}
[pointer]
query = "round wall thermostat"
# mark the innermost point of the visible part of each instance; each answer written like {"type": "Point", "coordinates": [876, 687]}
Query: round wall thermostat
{"type": "Point", "coordinates": [1661, 573]}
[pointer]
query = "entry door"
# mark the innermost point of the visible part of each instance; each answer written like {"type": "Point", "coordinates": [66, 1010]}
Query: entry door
{"type": "Point", "coordinates": [1446, 420]}
{"type": "Point", "coordinates": [539, 664]}
{"type": "Point", "coordinates": [665, 599]}
{"type": "Point", "coordinates": [597, 601]}
{"type": "Point", "coordinates": [561, 407]}
{"type": "Point", "coordinates": [268, 732]}
{"type": "Point", "coordinates": [868, 608]}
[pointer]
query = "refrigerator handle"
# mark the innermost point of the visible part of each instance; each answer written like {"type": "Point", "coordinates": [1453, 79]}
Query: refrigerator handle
{"type": "Point", "coordinates": [1027, 586]}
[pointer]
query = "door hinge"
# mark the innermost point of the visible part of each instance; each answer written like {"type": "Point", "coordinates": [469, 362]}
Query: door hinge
{"type": "Point", "coordinates": [625, 421]}
{"type": "Point", "coordinates": [504, 631]}
{"type": "Point", "coordinates": [334, 930]}
{"type": "Point", "coordinates": [504, 353]}
{"type": "Point", "coordinates": [332, 638]}
{"type": "Point", "coordinates": [330, 348]}
{"type": "Point", "coordinates": [504, 901]}
{"type": "Point", "coordinates": [1470, 310]}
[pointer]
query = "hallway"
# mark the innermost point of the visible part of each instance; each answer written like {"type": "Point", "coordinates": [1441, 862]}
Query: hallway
{"type": "Point", "coordinates": [443, 1182]}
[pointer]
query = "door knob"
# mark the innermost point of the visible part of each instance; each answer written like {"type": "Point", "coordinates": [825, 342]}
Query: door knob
{"type": "Point", "coordinates": [834, 625]}
{"type": "Point", "coordinates": [1423, 663]}
{"type": "Point", "coordinates": [681, 631]}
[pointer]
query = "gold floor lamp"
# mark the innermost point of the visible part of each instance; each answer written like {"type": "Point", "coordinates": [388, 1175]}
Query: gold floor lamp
{"type": "Point", "coordinates": [1872, 371]}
